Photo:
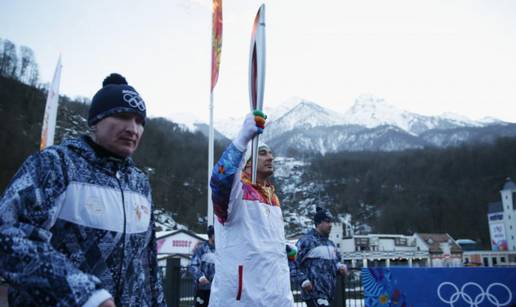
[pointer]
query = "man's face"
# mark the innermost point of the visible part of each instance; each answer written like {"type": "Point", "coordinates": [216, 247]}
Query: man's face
{"type": "Point", "coordinates": [264, 164]}
{"type": "Point", "coordinates": [324, 227]}
{"type": "Point", "coordinates": [119, 133]}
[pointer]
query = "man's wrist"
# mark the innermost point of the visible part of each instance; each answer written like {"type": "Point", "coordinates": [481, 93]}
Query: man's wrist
{"type": "Point", "coordinates": [97, 297]}
{"type": "Point", "coordinates": [240, 144]}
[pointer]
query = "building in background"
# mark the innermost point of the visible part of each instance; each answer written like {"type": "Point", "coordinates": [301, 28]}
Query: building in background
{"type": "Point", "coordinates": [178, 243]}
{"type": "Point", "coordinates": [379, 250]}
{"type": "Point", "coordinates": [502, 219]}
{"type": "Point", "coordinates": [443, 251]}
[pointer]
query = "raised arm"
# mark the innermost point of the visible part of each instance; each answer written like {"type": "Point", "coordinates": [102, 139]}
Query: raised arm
{"type": "Point", "coordinates": [225, 177]}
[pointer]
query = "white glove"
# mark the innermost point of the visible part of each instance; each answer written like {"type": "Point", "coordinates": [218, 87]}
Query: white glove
{"type": "Point", "coordinates": [248, 131]}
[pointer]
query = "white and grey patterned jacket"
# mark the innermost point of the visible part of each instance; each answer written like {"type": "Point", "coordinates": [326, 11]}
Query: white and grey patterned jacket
{"type": "Point", "coordinates": [77, 227]}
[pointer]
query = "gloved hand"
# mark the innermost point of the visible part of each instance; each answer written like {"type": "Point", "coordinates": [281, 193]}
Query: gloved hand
{"type": "Point", "coordinates": [253, 125]}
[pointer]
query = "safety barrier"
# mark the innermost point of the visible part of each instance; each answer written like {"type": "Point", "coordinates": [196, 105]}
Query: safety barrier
{"type": "Point", "coordinates": [179, 290]}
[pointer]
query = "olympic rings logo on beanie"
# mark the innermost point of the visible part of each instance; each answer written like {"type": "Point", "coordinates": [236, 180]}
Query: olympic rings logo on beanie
{"type": "Point", "coordinates": [134, 100]}
{"type": "Point", "coordinates": [116, 96]}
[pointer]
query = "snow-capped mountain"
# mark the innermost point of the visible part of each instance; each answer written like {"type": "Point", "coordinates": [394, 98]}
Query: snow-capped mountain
{"type": "Point", "coordinates": [230, 126]}
{"type": "Point", "coordinates": [344, 138]}
{"type": "Point", "coordinates": [187, 120]}
{"type": "Point", "coordinates": [304, 115]}
{"type": "Point", "coordinates": [300, 125]}
{"type": "Point", "coordinates": [191, 123]}
{"type": "Point", "coordinates": [371, 112]}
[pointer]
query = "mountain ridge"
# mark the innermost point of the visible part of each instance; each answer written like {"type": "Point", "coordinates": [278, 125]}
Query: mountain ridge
{"type": "Point", "coordinates": [367, 117]}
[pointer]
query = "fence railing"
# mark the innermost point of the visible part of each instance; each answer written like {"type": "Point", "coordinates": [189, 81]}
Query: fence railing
{"type": "Point", "coordinates": [179, 290]}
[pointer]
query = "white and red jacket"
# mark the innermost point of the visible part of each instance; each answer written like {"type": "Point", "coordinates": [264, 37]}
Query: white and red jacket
{"type": "Point", "coordinates": [251, 266]}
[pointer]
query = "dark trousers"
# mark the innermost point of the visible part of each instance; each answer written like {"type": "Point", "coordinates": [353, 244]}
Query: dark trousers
{"type": "Point", "coordinates": [314, 303]}
{"type": "Point", "coordinates": [202, 298]}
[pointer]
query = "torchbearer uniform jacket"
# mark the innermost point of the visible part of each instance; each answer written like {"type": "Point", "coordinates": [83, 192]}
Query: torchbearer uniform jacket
{"type": "Point", "coordinates": [251, 261]}
{"type": "Point", "coordinates": [76, 227]}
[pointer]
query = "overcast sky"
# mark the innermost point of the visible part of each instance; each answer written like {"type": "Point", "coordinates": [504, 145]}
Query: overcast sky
{"type": "Point", "coordinates": [428, 57]}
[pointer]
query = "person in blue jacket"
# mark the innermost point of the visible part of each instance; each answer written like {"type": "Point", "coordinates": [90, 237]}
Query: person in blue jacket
{"type": "Point", "coordinates": [76, 221]}
{"type": "Point", "coordinates": [202, 269]}
{"type": "Point", "coordinates": [317, 263]}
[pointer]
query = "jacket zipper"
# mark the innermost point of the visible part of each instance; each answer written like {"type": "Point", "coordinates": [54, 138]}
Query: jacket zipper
{"type": "Point", "coordinates": [119, 283]}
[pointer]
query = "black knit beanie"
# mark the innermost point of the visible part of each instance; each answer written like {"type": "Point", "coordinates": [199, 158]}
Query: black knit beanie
{"type": "Point", "coordinates": [115, 96]}
{"type": "Point", "coordinates": [322, 214]}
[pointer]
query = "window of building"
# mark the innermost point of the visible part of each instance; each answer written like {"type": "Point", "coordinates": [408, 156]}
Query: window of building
{"type": "Point", "coordinates": [502, 259]}
{"type": "Point", "coordinates": [513, 200]}
{"type": "Point", "coordinates": [338, 245]}
{"type": "Point", "coordinates": [362, 244]}
{"type": "Point", "coordinates": [400, 241]}
{"type": "Point", "coordinates": [494, 260]}
{"type": "Point", "coordinates": [486, 261]}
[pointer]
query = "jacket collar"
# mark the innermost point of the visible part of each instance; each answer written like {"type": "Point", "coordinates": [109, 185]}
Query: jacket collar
{"type": "Point", "coordinates": [100, 158]}
{"type": "Point", "coordinates": [318, 235]}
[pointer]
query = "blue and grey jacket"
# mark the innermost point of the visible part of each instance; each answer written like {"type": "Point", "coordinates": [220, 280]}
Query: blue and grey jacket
{"type": "Point", "coordinates": [203, 264]}
{"type": "Point", "coordinates": [77, 228]}
{"type": "Point", "coordinates": [317, 261]}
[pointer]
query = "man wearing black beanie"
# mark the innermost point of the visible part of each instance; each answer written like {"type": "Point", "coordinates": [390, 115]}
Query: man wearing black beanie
{"type": "Point", "coordinates": [318, 262]}
{"type": "Point", "coordinates": [76, 221]}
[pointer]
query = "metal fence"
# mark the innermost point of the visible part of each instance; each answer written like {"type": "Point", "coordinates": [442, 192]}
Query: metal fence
{"type": "Point", "coordinates": [179, 291]}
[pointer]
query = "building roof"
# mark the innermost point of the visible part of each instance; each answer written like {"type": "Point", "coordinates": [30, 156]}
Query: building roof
{"type": "Point", "coordinates": [468, 244]}
{"type": "Point", "coordinates": [509, 185]}
{"type": "Point", "coordinates": [165, 234]}
{"type": "Point", "coordinates": [434, 240]}
{"type": "Point", "coordinates": [495, 207]}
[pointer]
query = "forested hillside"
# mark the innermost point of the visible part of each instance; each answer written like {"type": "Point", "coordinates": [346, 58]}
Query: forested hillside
{"type": "Point", "coordinates": [429, 190]}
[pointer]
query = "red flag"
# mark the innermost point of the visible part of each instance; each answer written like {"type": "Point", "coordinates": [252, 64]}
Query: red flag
{"type": "Point", "coordinates": [216, 42]}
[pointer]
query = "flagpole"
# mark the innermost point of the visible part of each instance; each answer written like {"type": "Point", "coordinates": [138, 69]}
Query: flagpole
{"type": "Point", "coordinates": [210, 161]}
{"type": "Point", "coordinates": [49, 118]}
{"type": "Point", "coordinates": [216, 45]}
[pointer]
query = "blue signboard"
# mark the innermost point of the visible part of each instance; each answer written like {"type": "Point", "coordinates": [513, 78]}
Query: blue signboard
{"type": "Point", "coordinates": [432, 287]}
